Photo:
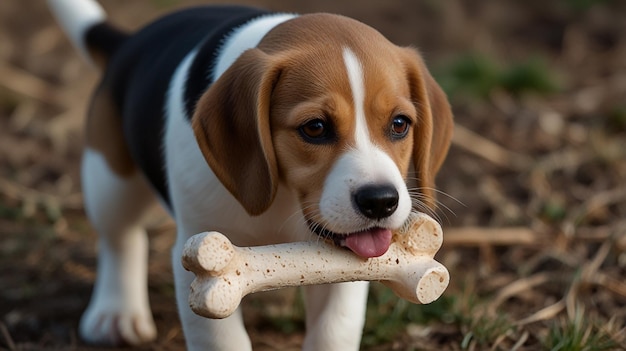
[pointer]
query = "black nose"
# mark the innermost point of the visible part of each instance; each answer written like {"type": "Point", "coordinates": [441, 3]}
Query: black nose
{"type": "Point", "coordinates": [376, 201]}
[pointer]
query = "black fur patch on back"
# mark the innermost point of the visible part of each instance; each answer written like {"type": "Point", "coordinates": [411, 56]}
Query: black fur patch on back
{"type": "Point", "coordinates": [202, 67]}
{"type": "Point", "coordinates": [140, 71]}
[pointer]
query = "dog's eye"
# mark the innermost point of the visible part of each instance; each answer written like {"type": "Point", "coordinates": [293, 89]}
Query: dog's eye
{"type": "Point", "coordinates": [316, 131]}
{"type": "Point", "coordinates": [400, 127]}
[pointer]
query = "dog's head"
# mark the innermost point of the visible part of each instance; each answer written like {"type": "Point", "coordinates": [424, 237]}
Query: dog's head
{"type": "Point", "coordinates": [329, 107]}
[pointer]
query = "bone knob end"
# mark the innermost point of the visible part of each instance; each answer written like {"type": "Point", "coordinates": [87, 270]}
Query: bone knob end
{"type": "Point", "coordinates": [208, 253]}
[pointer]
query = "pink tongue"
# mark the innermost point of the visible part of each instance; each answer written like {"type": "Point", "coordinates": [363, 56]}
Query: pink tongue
{"type": "Point", "coordinates": [369, 243]}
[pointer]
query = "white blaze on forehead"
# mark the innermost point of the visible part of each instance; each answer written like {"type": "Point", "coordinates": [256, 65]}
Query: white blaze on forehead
{"type": "Point", "coordinates": [355, 77]}
{"type": "Point", "coordinates": [363, 164]}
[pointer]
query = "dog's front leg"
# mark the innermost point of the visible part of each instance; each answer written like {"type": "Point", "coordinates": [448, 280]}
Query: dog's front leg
{"type": "Point", "coordinates": [202, 333]}
{"type": "Point", "coordinates": [335, 316]}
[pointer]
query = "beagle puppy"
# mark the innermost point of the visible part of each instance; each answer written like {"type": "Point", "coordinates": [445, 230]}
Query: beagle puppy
{"type": "Point", "coordinates": [267, 127]}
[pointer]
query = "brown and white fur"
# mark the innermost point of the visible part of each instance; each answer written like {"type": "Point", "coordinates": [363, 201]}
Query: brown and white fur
{"type": "Point", "coordinates": [312, 125]}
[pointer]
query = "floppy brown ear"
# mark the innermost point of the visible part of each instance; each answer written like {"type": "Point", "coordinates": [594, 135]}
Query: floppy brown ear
{"type": "Point", "coordinates": [433, 133]}
{"type": "Point", "coordinates": [232, 126]}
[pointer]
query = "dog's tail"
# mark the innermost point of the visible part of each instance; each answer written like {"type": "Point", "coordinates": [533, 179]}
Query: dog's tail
{"type": "Point", "coordinates": [84, 22]}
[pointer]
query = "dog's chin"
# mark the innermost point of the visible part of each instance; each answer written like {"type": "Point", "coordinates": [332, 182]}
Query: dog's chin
{"type": "Point", "coordinates": [368, 243]}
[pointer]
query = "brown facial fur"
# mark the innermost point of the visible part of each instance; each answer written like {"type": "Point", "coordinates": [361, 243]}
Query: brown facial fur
{"type": "Point", "coordinates": [298, 74]}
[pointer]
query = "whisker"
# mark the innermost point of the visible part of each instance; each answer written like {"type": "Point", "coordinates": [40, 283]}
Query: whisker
{"type": "Point", "coordinates": [416, 192]}
{"type": "Point", "coordinates": [440, 192]}
{"type": "Point", "coordinates": [417, 197]}
{"type": "Point", "coordinates": [282, 226]}
{"type": "Point", "coordinates": [316, 226]}
{"type": "Point", "coordinates": [418, 204]}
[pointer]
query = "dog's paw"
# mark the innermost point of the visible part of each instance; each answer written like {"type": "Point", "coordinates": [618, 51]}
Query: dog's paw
{"type": "Point", "coordinates": [104, 325]}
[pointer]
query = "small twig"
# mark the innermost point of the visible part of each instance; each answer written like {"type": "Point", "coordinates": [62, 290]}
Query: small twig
{"type": "Point", "coordinates": [521, 341]}
{"type": "Point", "coordinates": [7, 337]}
{"type": "Point", "coordinates": [543, 314]}
{"type": "Point", "coordinates": [598, 200]}
{"type": "Point", "coordinates": [519, 286]}
{"type": "Point", "coordinates": [45, 39]}
{"type": "Point", "coordinates": [490, 151]}
{"type": "Point", "coordinates": [612, 284]}
{"type": "Point", "coordinates": [563, 159]}
{"type": "Point", "coordinates": [478, 236]}
{"type": "Point", "coordinates": [591, 268]}
{"type": "Point", "coordinates": [498, 341]}
{"type": "Point", "coordinates": [601, 233]}
{"type": "Point", "coordinates": [25, 83]}
{"type": "Point", "coordinates": [572, 305]}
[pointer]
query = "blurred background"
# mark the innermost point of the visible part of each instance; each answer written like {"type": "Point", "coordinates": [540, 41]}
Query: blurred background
{"type": "Point", "coordinates": [533, 198]}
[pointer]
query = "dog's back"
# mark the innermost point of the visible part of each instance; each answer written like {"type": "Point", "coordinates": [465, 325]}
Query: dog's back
{"type": "Point", "coordinates": [137, 71]}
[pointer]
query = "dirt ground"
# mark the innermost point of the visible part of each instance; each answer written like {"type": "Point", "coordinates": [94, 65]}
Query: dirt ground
{"type": "Point", "coordinates": [533, 192]}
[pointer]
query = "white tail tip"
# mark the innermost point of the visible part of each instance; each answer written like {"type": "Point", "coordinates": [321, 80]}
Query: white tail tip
{"type": "Point", "coordinates": [76, 17]}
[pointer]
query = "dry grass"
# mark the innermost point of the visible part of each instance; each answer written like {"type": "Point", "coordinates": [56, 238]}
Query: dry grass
{"type": "Point", "coordinates": [534, 209]}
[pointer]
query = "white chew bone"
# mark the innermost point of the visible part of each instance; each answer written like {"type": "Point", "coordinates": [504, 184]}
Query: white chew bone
{"type": "Point", "coordinates": [226, 273]}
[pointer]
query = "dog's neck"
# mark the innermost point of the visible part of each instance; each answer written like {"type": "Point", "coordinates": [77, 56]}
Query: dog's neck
{"type": "Point", "coordinates": [245, 37]}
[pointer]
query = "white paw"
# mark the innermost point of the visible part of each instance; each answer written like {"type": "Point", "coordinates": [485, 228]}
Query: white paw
{"type": "Point", "coordinates": [112, 325]}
